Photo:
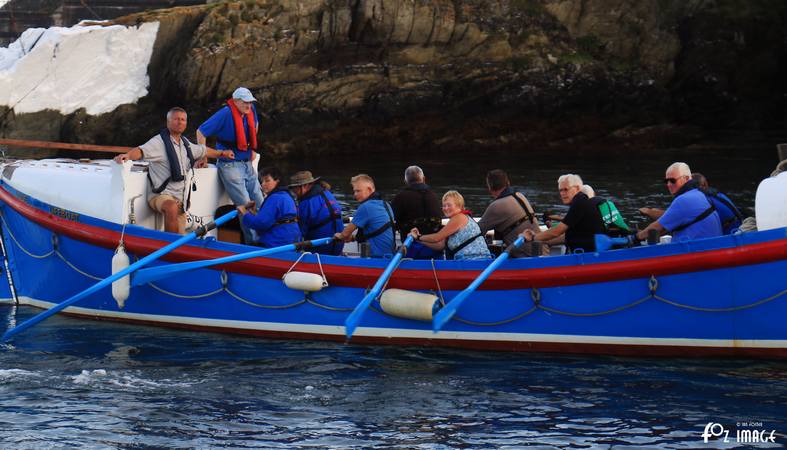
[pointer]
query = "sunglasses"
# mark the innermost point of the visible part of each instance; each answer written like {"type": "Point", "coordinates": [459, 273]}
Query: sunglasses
{"type": "Point", "coordinates": [671, 180]}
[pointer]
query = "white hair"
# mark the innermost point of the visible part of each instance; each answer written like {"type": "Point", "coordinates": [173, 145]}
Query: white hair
{"type": "Point", "coordinates": [682, 168]}
{"type": "Point", "coordinates": [570, 178]}
{"type": "Point", "coordinates": [588, 190]}
{"type": "Point", "coordinates": [413, 174]}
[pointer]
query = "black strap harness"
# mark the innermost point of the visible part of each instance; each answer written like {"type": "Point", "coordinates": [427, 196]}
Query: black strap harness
{"type": "Point", "coordinates": [451, 252]}
{"type": "Point", "coordinates": [284, 221]}
{"type": "Point", "coordinates": [529, 216]}
{"type": "Point", "coordinates": [704, 214]}
{"type": "Point", "coordinates": [175, 172]}
{"type": "Point", "coordinates": [332, 216]}
{"type": "Point", "coordinates": [363, 236]}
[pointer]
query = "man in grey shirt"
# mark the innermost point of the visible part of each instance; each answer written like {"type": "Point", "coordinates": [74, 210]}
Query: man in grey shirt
{"type": "Point", "coordinates": [509, 215]}
{"type": "Point", "coordinates": [170, 156]}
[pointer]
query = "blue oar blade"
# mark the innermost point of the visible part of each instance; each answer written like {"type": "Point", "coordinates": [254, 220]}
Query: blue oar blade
{"type": "Point", "coordinates": [351, 323]}
{"type": "Point", "coordinates": [447, 312]}
{"type": "Point", "coordinates": [604, 242]}
{"type": "Point", "coordinates": [112, 278]}
{"type": "Point", "coordinates": [355, 317]}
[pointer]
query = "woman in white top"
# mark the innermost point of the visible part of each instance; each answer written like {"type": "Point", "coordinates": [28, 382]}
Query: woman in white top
{"type": "Point", "coordinates": [460, 237]}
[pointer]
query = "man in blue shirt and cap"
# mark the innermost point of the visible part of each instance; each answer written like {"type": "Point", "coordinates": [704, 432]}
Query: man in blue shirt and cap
{"type": "Point", "coordinates": [235, 128]}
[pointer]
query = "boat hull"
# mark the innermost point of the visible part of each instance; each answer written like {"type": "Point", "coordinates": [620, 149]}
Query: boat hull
{"type": "Point", "coordinates": [716, 297]}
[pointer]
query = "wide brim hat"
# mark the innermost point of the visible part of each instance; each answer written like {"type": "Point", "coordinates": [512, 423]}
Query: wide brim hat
{"type": "Point", "coordinates": [301, 178]}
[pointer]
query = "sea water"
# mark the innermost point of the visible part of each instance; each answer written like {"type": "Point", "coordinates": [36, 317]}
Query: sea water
{"type": "Point", "coordinates": [73, 383]}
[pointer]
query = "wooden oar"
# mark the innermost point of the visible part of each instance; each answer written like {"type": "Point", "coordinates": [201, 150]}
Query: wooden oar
{"type": "Point", "coordinates": [64, 146]}
{"type": "Point", "coordinates": [144, 276]}
{"type": "Point", "coordinates": [352, 320]}
{"type": "Point", "coordinates": [448, 311]}
{"type": "Point", "coordinates": [109, 280]}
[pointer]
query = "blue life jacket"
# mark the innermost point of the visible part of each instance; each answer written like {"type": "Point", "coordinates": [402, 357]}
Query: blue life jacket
{"type": "Point", "coordinates": [380, 231]}
{"type": "Point", "coordinates": [705, 223]}
{"type": "Point", "coordinates": [319, 216]}
{"type": "Point", "coordinates": [731, 218]}
{"type": "Point", "coordinates": [276, 222]}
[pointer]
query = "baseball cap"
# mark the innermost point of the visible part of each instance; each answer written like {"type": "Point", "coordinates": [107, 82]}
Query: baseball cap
{"type": "Point", "coordinates": [243, 94]}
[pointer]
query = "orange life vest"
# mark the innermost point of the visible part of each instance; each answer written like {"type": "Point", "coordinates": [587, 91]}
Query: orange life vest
{"type": "Point", "coordinates": [240, 134]}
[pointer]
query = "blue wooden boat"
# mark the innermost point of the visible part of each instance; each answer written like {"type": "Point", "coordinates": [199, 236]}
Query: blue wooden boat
{"type": "Point", "coordinates": [62, 221]}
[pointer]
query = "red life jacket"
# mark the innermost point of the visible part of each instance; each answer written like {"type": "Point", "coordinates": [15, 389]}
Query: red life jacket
{"type": "Point", "coordinates": [240, 134]}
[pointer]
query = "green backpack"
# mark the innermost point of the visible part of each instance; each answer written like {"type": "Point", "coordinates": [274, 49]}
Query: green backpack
{"type": "Point", "coordinates": [613, 221]}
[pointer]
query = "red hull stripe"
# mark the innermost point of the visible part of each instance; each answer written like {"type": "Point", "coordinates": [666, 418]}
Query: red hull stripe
{"type": "Point", "coordinates": [357, 276]}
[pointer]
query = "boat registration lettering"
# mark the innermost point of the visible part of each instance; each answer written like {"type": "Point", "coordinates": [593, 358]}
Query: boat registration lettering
{"type": "Point", "coordinates": [65, 214]}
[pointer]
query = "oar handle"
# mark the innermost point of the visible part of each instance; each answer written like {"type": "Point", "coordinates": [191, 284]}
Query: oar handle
{"type": "Point", "coordinates": [203, 229]}
{"type": "Point", "coordinates": [110, 279]}
{"type": "Point", "coordinates": [64, 146]}
{"type": "Point", "coordinates": [303, 245]}
{"type": "Point", "coordinates": [151, 274]}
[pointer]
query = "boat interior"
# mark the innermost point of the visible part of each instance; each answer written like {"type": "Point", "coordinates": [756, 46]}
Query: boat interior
{"type": "Point", "coordinates": [119, 193]}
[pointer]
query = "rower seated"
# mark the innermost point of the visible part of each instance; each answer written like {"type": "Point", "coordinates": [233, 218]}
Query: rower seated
{"type": "Point", "coordinates": [690, 215]}
{"type": "Point", "coordinates": [581, 223]}
{"type": "Point", "coordinates": [461, 238]}
{"type": "Point", "coordinates": [373, 219]}
{"type": "Point", "coordinates": [509, 215]}
{"type": "Point", "coordinates": [276, 220]}
{"type": "Point", "coordinates": [417, 206]}
{"type": "Point", "coordinates": [319, 213]}
{"type": "Point", "coordinates": [610, 216]}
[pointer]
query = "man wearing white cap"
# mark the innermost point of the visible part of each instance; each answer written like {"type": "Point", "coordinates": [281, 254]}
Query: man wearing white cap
{"type": "Point", "coordinates": [235, 128]}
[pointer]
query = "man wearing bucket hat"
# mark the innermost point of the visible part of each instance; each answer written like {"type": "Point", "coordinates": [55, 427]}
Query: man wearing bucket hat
{"type": "Point", "coordinates": [319, 214]}
{"type": "Point", "coordinates": [235, 128]}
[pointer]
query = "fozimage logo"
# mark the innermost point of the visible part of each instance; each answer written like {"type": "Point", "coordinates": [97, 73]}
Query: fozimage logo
{"type": "Point", "coordinates": [745, 433]}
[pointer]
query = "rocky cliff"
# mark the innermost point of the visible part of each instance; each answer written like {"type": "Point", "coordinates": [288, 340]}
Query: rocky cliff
{"type": "Point", "coordinates": [395, 75]}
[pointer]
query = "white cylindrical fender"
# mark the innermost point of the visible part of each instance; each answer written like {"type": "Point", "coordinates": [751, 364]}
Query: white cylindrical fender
{"type": "Point", "coordinates": [304, 281]}
{"type": "Point", "coordinates": [409, 304]}
{"type": "Point", "coordinates": [770, 204]}
{"type": "Point", "coordinates": [120, 288]}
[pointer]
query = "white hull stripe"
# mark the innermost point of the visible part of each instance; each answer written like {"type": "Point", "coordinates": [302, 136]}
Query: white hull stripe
{"type": "Point", "coordinates": [417, 334]}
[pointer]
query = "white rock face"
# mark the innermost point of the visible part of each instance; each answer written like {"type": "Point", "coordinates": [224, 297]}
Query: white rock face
{"type": "Point", "coordinates": [64, 69]}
